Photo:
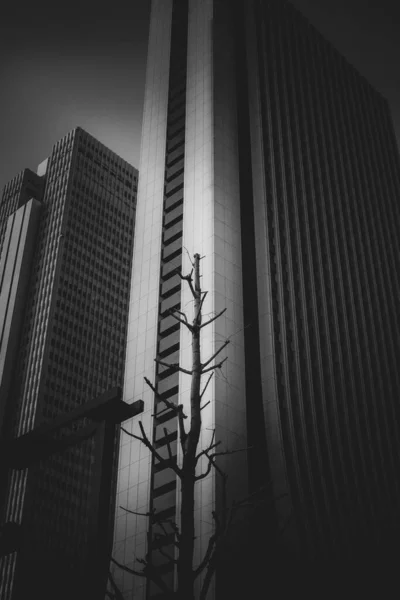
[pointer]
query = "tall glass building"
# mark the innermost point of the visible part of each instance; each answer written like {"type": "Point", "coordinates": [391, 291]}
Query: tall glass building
{"type": "Point", "coordinates": [266, 152]}
{"type": "Point", "coordinates": [67, 239]}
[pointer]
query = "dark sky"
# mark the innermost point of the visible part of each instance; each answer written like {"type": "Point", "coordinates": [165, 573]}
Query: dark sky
{"type": "Point", "coordinates": [70, 63]}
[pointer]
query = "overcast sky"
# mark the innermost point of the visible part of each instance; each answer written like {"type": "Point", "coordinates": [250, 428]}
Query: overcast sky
{"type": "Point", "coordinates": [79, 63]}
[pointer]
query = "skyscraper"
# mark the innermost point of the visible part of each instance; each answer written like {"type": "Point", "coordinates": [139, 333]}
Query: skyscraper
{"type": "Point", "coordinates": [67, 239]}
{"type": "Point", "coordinates": [267, 153]}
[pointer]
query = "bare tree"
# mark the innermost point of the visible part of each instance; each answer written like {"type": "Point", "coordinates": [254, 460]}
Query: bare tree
{"type": "Point", "coordinates": [187, 470]}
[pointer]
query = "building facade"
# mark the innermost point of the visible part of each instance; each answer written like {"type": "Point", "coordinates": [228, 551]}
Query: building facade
{"type": "Point", "coordinates": [265, 152]}
{"type": "Point", "coordinates": [325, 167]}
{"type": "Point", "coordinates": [70, 323]}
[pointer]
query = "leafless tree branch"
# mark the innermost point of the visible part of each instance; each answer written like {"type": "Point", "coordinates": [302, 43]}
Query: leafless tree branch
{"type": "Point", "coordinates": [181, 424]}
{"type": "Point", "coordinates": [160, 412]}
{"type": "Point", "coordinates": [214, 355]}
{"type": "Point", "coordinates": [222, 527]}
{"type": "Point", "coordinates": [226, 452]}
{"type": "Point", "coordinates": [190, 260]}
{"type": "Point", "coordinates": [189, 280]}
{"type": "Point", "coordinates": [167, 556]}
{"type": "Point", "coordinates": [168, 444]}
{"type": "Point", "coordinates": [118, 595]}
{"type": "Point", "coordinates": [202, 301]}
{"type": "Point", "coordinates": [212, 457]}
{"type": "Point", "coordinates": [213, 318]}
{"type": "Point", "coordinates": [128, 569]}
{"type": "Point", "coordinates": [145, 440]}
{"type": "Point", "coordinates": [148, 572]}
{"type": "Point", "coordinates": [139, 514]}
{"type": "Point", "coordinates": [212, 463]}
{"type": "Point", "coordinates": [209, 575]}
{"type": "Point", "coordinates": [204, 452]}
{"type": "Point", "coordinates": [183, 537]}
{"type": "Point", "coordinates": [206, 559]}
{"type": "Point", "coordinates": [213, 436]}
{"type": "Point", "coordinates": [172, 366]}
{"type": "Point", "coordinates": [166, 535]}
{"type": "Point", "coordinates": [177, 408]}
{"type": "Point", "coordinates": [172, 523]}
{"type": "Point", "coordinates": [218, 366]}
{"type": "Point", "coordinates": [180, 312]}
{"type": "Point", "coordinates": [183, 321]}
{"type": "Point", "coordinates": [205, 387]}
{"type": "Point", "coordinates": [198, 315]}
{"type": "Point", "coordinates": [206, 472]}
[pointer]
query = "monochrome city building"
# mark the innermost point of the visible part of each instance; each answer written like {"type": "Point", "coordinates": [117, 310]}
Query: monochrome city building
{"type": "Point", "coordinates": [267, 153]}
{"type": "Point", "coordinates": [65, 268]}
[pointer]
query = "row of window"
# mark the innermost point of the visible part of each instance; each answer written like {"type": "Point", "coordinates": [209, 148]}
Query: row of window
{"type": "Point", "coordinates": [105, 154]}
{"type": "Point", "coordinates": [87, 164]}
{"type": "Point", "coordinates": [318, 303]}
{"type": "Point", "coordinates": [163, 492]}
{"type": "Point", "coordinates": [103, 210]}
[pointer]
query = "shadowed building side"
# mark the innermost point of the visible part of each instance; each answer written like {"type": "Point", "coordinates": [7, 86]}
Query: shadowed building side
{"type": "Point", "coordinates": [15, 265]}
{"type": "Point", "coordinates": [71, 350]}
{"type": "Point", "coordinates": [326, 200]}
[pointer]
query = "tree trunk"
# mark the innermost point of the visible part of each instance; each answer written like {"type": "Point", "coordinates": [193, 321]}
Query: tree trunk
{"type": "Point", "coordinates": [186, 548]}
{"type": "Point", "coordinates": [189, 440]}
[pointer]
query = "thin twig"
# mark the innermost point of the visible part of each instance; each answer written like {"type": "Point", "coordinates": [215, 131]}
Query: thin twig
{"type": "Point", "coordinates": [171, 523]}
{"type": "Point", "coordinates": [171, 405]}
{"type": "Point", "coordinates": [198, 316]}
{"type": "Point", "coordinates": [128, 569]}
{"type": "Point", "coordinates": [207, 471]}
{"type": "Point", "coordinates": [214, 367]}
{"type": "Point", "coordinates": [211, 544]}
{"type": "Point", "coordinates": [214, 355]}
{"type": "Point", "coordinates": [213, 318]}
{"type": "Point", "coordinates": [167, 556]}
{"type": "Point", "coordinates": [202, 300]}
{"type": "Point", "coordinates": [206, 404]}
{"type": "Point", "coordinates": [118, 593]}
{"type": "Point", "coordinates": [181, 424]}
{"type": "Point", "coordinates": [204, 452]}
{"type": "Point", "coordinates": [166, 534]}
{"type": "Point", "coordinates": [172, 366]}
{"type": "Point", "coordinates": [190, 260]}
{"type": "Point", "coordinates": [205, 387]}
{"type": "Point", "coordinates": [226, 452]}
{"type": "Point", "coordinates": [189, 280]}
{"type": "Point", "coordinates": [147, 572]}
{"type": "Point", "coordinates": [168, 444]}
{"type": "Point", "coordinates": [172, 314]}
{"type": "Point", "coordinates": [139, 514]}
{"type": "Point", "coordinates": [144, 439]}
{"type": "Point", "coordinates": [180, 312]}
